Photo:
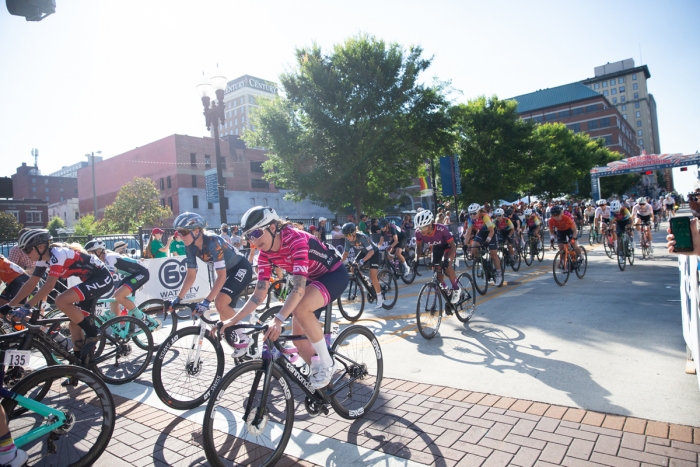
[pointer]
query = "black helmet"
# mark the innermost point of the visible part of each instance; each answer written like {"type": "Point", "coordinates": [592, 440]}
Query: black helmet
{"type": "Point", "coordinates": [348, 228]}
{"type": "Point", "coordinates": [509, 212]}
{"type": "Point", "coordinates": [33, 237]}
{"type": "Point", "coordinates": [383, 223]}
{"type": "Point", "coordinates": [556, 210]}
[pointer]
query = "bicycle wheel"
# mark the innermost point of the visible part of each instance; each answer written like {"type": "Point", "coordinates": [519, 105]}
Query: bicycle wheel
{"type": "Point", "coordinates": [498, 279]}
{"type": "Point", "coordinates": [515, 262]}
{"type": "Point", "coordinates": [560, 269]}
{"type": "Point", "coordinates": [467, 301]}
{"type": "Point", "coordinates": [540, 254]}
{"type": "Point", "coordinates": [390, 288]}
{"type": "Point", "coordinates": [185, 374]}
{"type": "Point", "coordinates": [352, 302]}
{"type": "Point", "coordinates": [629, 247]}
{"type": "Point", "coordinates": [429, 310]}
{"type": "Point", "coordinates": [591, 236]}
{"type": "Point", "coordinates": [527, 254]}
{"type": "Point", "coordinates": [410, 256]}
{"type": "Point", "coordinates": [581, 268]}
{"type": "Point", "coordinates": [467, 256]}
{"type": "Point", "coordinates": [621, 260]}
{"type": "Point", "coordinates": [608, 247]}
{"type": "Point", "coordinates": [117, 361]}
{"type": "Point", "coordinates": [480, 276]}
{"type": "Point", "coordinates": [232, 440]}
{"type": "Point", "coordinates": [89, 407]}
{"type": "Point", "coordinates": [360, 370]}
{"type": "Point", "coordinates": [161, 323]}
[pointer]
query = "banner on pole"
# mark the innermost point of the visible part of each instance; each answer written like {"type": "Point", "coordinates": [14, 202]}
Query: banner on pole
{"type": "Point", "coordinates": [447, 175]}
{"type": "Point", "coordinates": [212, 185]}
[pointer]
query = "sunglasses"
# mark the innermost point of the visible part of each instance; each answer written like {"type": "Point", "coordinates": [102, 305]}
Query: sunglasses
{"type": "Point", "coordinates": [28, 249]}
{"type": "Point", "coordinates": [183, 232]}
{"type": "Point", "coordinates": [254, 234]}
{"type": "Point", "coordinates": [349, 235]}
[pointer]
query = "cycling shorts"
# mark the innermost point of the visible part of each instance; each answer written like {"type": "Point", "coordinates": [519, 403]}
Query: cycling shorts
{"type": "Point", "coordinates": [134, 282]}
{"type": "Point", "coordinates": [590, 219]}
{"type": "Point", "coordinates": [402, 237]}
{"type": "Point", "coordinates": [565, 236]}
{"type": "Point", "coordinates": [503, 235]}
{"type": "Point", "coordinates": [606, 221]}
{"type": "Point", "coordinates": [237, 279]}
{"type": "Point", "coordinates": [620, 226]}
{"type": "Point", "coordinates": [645, 219]}
{"type": "Point", "coordinates": [13, 287]}
{"type": "Point", "coordinates": [657, 213]}
{"type": "Point", "coordinates": [98, 284]}
{"type": "Point", "coordinates": [331, 285]}
{"type": "Point", "coordinates": [480, 238]}
{"type": "Point", "coordinates": [531, 229]}
{"type": "Point", "coordinates": [439, 253]}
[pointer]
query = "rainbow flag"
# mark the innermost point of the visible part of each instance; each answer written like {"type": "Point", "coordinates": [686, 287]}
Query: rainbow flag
{"type": "Point", "coordinates": [423, 183]}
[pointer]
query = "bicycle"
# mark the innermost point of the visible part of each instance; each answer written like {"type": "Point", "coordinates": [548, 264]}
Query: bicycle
{"type": "Point", "coordinates": [570, 261]}
{"type": "Point", "coordinates": [608, 241]}
{"type": "Point", "coordinates": [58, 424]}
{"type": "Point", "coordinates": [657, 221]}
{"type": "Point", "coordinates": [644, 243]}
{"type": "Point", "coordinates": [594, 236]}
{"type": "Point", "coordinates": [429, 307]}
{"type": "Point", "coordinates": [250, 417]}
{"type": "Point", "coordinates": [108, 360]}
{"type": "Point", "coordinates": [625, 249]}
{"type": "Point", "coordinates": [351, 303]}
{"type": "Point", "coordinates": [394, 267]}
{"type": "Point", "coordinates": [483, 270]}
{"type": "Point", "coordinates": [505, 257]}
{"type": "Point", "coordinates": [533, 249]}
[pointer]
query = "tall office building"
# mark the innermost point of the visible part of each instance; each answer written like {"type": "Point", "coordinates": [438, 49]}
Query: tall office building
{"type": "Point", "coordinates": [240, 97]}
{"type": "Point", "coordinates": [625, 87]}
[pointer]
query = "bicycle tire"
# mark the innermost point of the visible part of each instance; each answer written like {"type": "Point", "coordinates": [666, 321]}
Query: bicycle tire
{"type": "Point", "coordinates": [356, 349]}
{"type": "Point", "coordinates": [591, 237]}
{"type": "Point", "coordinates": [515, 262]}
{"type": "Point", "coordinates": [480, 276]}
{"type": "Point", "coordinates": [527, 254]}
{"type": "Point", "coordinates": [630, 251]}
{"type": "Point", "coordinates": [180, 386]}
{"type": "Point", "coordinates": [609, 250]}
{"type": "Point", "coordinates": [224, 411]}
{"type": "Point", "coordinates": [155, 309]}
{"type": "Point", "coordinates": [540, 254]}
{"type": "Point", "coordinates": [351, 303]}
{"type": "Point", "coordinates": [468, 259]}
{"type": "Point", "coordinates": [90, 403]}
{"type": "Point", "coordinates": [621, 260]}
{"type": "Point", "coordinates": [467, 303]}
{"type": "Point", "coordinates": [581, 268]}
{"type": "Point", "coordinates": [390, 288]}
{"type": "Point", "coordinates": [113, 348]}
{"type": "Point", "coordinates": [429, 314]}
{"type": "Point", "coordinates": [562, 271]}
{"type": "Point", "coordinates": [409, 257]}
{"type": "Point", "coordinates": [42, 358]}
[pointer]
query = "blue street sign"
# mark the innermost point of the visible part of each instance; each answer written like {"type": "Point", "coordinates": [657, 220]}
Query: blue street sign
{"type": "Point", "coordinates": [212, 185]}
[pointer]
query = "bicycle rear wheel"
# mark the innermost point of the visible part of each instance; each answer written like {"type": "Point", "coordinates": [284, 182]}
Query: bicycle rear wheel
{"type": "Point", "coordinates": [560, 269]}
{"type": "Point", "coordinates": [629, 250]}
{"type": "Point", "coordinates": [467, 302]}
{"type": "Point", "coordinates": [480, 276]}
{"type": "Point", "coordinates": [540, 254]}
{"type": "Point", "coordinates": [90, 409]}
{"type": "Point", "coordinates": [429, 310]}
{"type": "Point", "coordinates": [527, 254]}
{"type": "Point", "coordinates": [608, 247]}
{"type": "Point", "coordinates": [232, 440]}
{"type": "Point", "coordinates": [161, 323]}
{"type": "Point", "coordinates": [117, 360]}
{"type": "Point", "coordinates": [515, 262]}
{"type": "Point", "coordinates": [621, 259]}
{"type": "Point", "coordinates": [182, 380]}
{"type": "Point", "coordinates": [351, 303]}
{"type": "Point", "coordinates": [581, 268]}
{"type": "Point", "coordinates": [390, 288]}
{"type": "Point", "coordinates": [360, 366]}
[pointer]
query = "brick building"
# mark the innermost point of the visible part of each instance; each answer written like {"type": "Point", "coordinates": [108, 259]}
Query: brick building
{"type": "Point", "coordinates": [240, 97]}
{"type": "Point", "coordinates": [30, 212]}
{"type": "Point", "coordinates": [29, 183]}
{"type": "Point", "coordinates": [177, 164]}
{"type": "Point", "coordinates": [581, 109]}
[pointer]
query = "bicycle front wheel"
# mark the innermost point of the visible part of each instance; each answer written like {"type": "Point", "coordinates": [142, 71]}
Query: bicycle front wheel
{"type": "Point", "coordinates": [515, 263]}
{"type": "Point", "coordinates": [527, 254]}
{"type": "Point", "coordinates": [230, 437]}
{"type": "Point", "coordinates": [480, 276]}
{"type": "Point", "coordinates": [89, 407]}
{"type": "Point", "coordinates": [629, 247]}
{"type": "Point", "coordinates": [184, 371]}
{"type": "Point", "coordinates": [621, 259]}
{"type": "Point", "coordinates": [360, 370]}
{"type": "Point", "coordinates": [390, 288]}
{"type": "Point", "coordinates": [429, 310]}
{"type": "Point", "coordinates": [160, 322]}
{"type": "Point", "coordinates": [118, 360]}
{"type": "Point", "coordinates": [540, 254]}
{"type": "Point", "coordinates": [351, 303]}
{"type": "Point", "coordinates": [410, 257]}
{"type": "Point", "coordinates": [467, 302]}
{"type": "Point", "coordinates": [560, 268]}
{"type": "Point", "coordinates": [581, 268]}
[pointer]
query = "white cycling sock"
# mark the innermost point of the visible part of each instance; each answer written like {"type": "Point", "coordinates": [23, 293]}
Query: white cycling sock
{"type": "Point", "coordinates": [322, 352]}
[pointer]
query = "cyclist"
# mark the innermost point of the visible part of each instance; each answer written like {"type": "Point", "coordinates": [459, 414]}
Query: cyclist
{"type": "Point", "coordinates": [444, 247]}
{"type": "Point", "coordinates": [78, 302]}
{"type": "Point", "coordinates": [565, 227]}
{"type": "Point", "coordinates": [589, 214]}
{"type": "Point", "coordinates": [135, 275]}
{"type": "Point", "coordinates": [480, 222]}
{"type": "Point", "coordinates": [365, 252]}
{"type": "Point", "coordinates": [657, 206]}
{"type": "Point", "coordinates": [533, 222]}
{"type": "Point", "coordinates": [14, 278]}
{"type": "Point", "coordinates": [506, 230]}
{"type": "Point", "coordinates": [669, 203]}
{"type": "Point", "coordinates": [577, 214]}
{"type": "Point", "coordinates": [392, 233]}
{"type": "Point", "coordinates": [233, 271]}
{"type": "Point", "coordinates": [621, 217]}
{"type": "Point", "coordinates": [602, 214]}
{"type": "Point", "coordinates": [318, 278]}
{"type": "Point", "coordinates": [643, 213]}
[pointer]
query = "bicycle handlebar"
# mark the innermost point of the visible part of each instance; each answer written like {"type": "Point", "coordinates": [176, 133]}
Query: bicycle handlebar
{"type": "Point", "coordinates": [191, 306]}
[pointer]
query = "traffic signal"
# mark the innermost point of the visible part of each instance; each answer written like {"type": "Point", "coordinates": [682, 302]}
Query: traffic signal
{"type": "Point", "coordinates": [649, 172]}
{"type": "Point", "coordinates": [32, 10]}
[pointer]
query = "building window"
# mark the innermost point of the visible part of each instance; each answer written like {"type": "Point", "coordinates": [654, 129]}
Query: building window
{"type": "Point", "coordinates": [593, 125]}
{"type": "Point", "coordinates": [639, 133]}
{"type": "Point", "coordinates": [596, 85]}
{"type": "Point", "coordinates": [605, 93]}
{"type": "Point", "coordinates": [607, 139]}
{"type": "Point", "coordinates": [46, 181]}
{"type": "Point", "coordinates": [46, 190]}
{"type": "Point", "coordinates": [634, 77]}
{"type": "Point", "coordinates": [636, 105]}
{"type": "Point", "coordinates": [193, 159]}
{"type": "Point", "coordinates": [236, 130]}
{"type": "Point", "coordinates": [33, 216]}
{"type": "Point", "coordinates": [636, 95]}
{"type": "Point", "coordinates": [207, 161]}
{"type": "Point", "coordinates": [77, 216]}
{"type": "Point", "coordinates": [613, 91]}
{"type": "Point", "coordinates": [622, 89]}
{"type": "Point", "coordinates": [34, 189]}
{"type": "Point", "coordinates": [563, 113]}
{"type": "Point", "coordinates": [226, 202]}
{"type": "Point", "coordinates": [194, 181]}
{"type": "Point", "coordinates": [14, 213]}
{"type": "Point", "coordinates": [243, 119]}
{"type": "Point", "coordinates": [537, 118]}
{"type": "Point", "coordinates": [256, 166]}
{"type": "Point", "coordinates": [592, 108]}
{"type": "Point", "coordinates": [210, 205]}
{"type": "Point", "coordinates": [624, 107]}
{"type": "Point", "coordinates": [620, 80]}
{"type": "Point", "coordinates": [222, 160]}
{"type": "Point", "coordinates": [550, 117]}
{"type": "Point", "coordinates": [575, 127]}
{"type": "Point", "coordinates": [639, 123]}
{"type": "Point", "coordinates": [614, 100]}
{"type": "Point", "coordinates": [33, 180]}
{"type": "Point", "coordinates": [195, 202]}
{"type": "Point", "coordinates": [170, 183]}
{"type": "Point", "coordinates": [162, 184]}
{"type": "Point", "coordinates": [162, 202]}
{"type": "Point", "coordinates": [635, 86]}
{"type": "Point", "coordinates": [624, 116]}
{"type": "Point", "coordinates": [264, 202]}
{"type": "Point", "coordinates": [641, 142]}
{"type": "Point", "coordinates": [623, 98]}
{"type": "Point", "coordinates": [638, 114]}
{"type": "Point", "coordinates": [258, 183]}
{"type": "Point", "coordinates": [170, 202]}
{"type": "Point", "coordinates": [605, 84]}
{"type": "Point", "coordinates": [605, 122]}
{"type": "Point", "coordinates": [612, 82]}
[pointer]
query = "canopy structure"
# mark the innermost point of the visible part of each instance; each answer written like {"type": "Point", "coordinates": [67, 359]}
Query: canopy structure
{"type": "Point", "coordinates": [640, 163]}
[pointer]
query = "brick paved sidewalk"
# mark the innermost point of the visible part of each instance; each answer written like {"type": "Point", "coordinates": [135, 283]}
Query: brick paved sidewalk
{"type": "Point", "coordinates": [435, 425]}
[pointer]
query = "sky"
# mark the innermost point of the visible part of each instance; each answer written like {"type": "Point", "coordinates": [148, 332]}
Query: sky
{"type": "Point", "coordinates": [114, 75]}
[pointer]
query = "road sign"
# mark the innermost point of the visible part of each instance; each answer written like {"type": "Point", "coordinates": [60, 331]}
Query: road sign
{"type": "Point", "coordinates": [211, 181]}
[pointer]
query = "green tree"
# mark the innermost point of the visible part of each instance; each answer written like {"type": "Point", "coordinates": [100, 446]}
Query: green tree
{"type": "Point", "coordinates": [86, 225]}
{"type": "Point", "coordinates": [355, 125]}
{"type": "Point", "coordinates": [137, 204]}
{"type": "Point", "coordinates": [54, 224]}
{"type": "Point", "coordinates": [9, 227]}
{"type": "Point", "coordinates": [495, 149]}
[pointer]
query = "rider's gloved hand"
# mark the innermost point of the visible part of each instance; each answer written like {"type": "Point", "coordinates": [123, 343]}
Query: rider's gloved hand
{"type": "Point", "coordinates": [5, 309]}
{"type": "Point", "coordinates": [202, 307]}
{"type": "Point", "coordinates": [175, 302]}
{"type": "Point", "coordinates": [361, 262]}
{"type": "Point", "coordinates": [21, 312]}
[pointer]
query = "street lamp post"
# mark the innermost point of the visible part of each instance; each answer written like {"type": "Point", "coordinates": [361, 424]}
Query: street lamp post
{"type": "Point", "coordinates": [91, 156]}
{"type": "Point", "coordinates": [214, 115]}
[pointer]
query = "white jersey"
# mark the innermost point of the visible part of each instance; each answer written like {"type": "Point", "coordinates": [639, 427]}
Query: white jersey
{"type": "Point", "coordinates": [657, 205]}
{"type": "Point", "coordinates": [589, 211]}
{"type": "Point", "coordinates": [640, 210]}
{"type": "Point", "coordinates": [605, 214]}
{"type": "Point", "coordinates": [669, 202]}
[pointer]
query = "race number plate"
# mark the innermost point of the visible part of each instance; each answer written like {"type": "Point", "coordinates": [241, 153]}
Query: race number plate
{"type": "Point", "coordinates": [17, 357]}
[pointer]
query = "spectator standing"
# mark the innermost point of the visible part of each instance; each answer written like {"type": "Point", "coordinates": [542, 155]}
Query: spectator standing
{"type": "Point", "coordinates": [313, 231]}
{"type": "Point", "coordinates": [337, 233]}
{"type": "Point", "coordinates": [177, 246]}
{"type": "Point", "coordinates": [236, 237]}
{"type": "Point", "coordinates": [20, 258]}
{"type": "Point", "coordinates": [322, 229]}
{"type": "Point", "coordinates": [224, 233]}
{"type": "Point", "coordinates": [374, 227]}
{"type": "Point", "coordinates": [155, 246]}
{"type": "Point", "coordinates": [364, 228]}
{"type": "Point", "coordinates": [408, 226]}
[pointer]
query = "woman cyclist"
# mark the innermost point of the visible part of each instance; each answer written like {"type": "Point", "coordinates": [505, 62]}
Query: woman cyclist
{"type": "Point", "coordinates": [365, 252]}
{"type": "Point", "coordinates": [621, 217]}
{"type": "Point", "coordinates": [533, 222]}
{"type": "Point", "coordinates": [78, 302]}
{"type": "Point", "coordinates": [565, 227]}
{"type": "Point", "coordinates": [14, 278]}
{"type": "Point", "coordinates": [506, 230]}
{"type": "Point", "coordinates": [393, 234]}
{"type": "Point", "coordinates": [134, 274]}
{"type": "Point", "coordinates": [233, 271]}
{"type": "Point", "coordinates": [318, 278]}
{"type": "Point", "coordinates": [589, 214]}
{"type": "Point", "coordinates": [602, 215]}
{"type": "Point", "coordinates": [643, 213]}
{"type": "Point", "coordinates": [444, 247]}
{"type": "Point", "coordinates": [480, 222]}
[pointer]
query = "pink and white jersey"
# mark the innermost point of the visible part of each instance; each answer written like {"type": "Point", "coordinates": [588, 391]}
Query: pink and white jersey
{"type": "Point", "coordinates": [441, 236]}
{"type": "Point", "coordinates": [300, 254]}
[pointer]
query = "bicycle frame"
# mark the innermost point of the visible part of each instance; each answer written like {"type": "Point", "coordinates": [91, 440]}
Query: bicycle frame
{"type": "Point", "coordinates": [56, 417]}
{"type": "Point", "coordinates": [437, 270]}
{"type": "Point", "coordinates": [362, 279]}
{"type": "Point", "coordinates": [136, 313]}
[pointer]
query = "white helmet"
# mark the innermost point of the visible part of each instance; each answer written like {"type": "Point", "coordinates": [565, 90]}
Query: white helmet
{"type": "Point", "coordinates": [94, 245]}
{"type": "Point", "coordinates": [423, 219]}
{"type": "Point", "coordinates": [601, 202]}
{"type": "Point", "coordinates": [615, 206]}
{"type": "Point", "coordinates": [258, 217]}
{"type": "Point", "coordinates": [642, 200]}
{"type": "Point", "coordinates": [498, 212]}
{"type": "Point", "coordinates": [575, 205]}
{"type": "Point", "coordinates": [528, 212]}
{"type": "Point", "coordinates": [588, 203]}
{"type": "Point", "coordinates": [473, 208]}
